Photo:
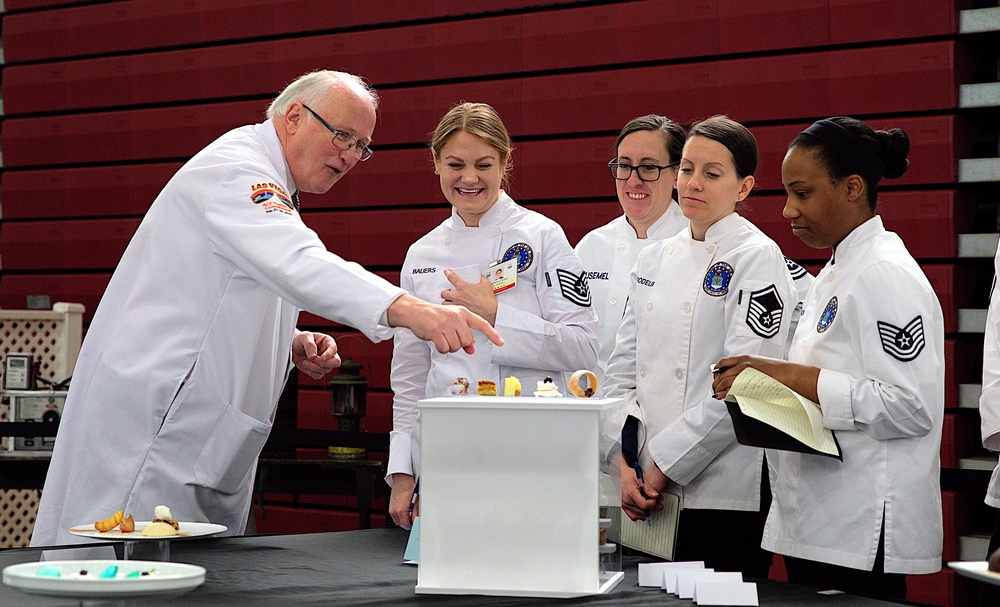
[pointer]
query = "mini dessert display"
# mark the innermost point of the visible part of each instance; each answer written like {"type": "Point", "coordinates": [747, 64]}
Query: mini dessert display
{"type": "Point", "coordinates": [460, 387]}
{"type": "Point", "coordinates": [486, 388]}
{"type": "Point", "coordinates": [574, 384]}
{"type": "Point", "coordinates": [511, 386]}
{"type": "Point", "coordinates": [110, 572]}
{"type": "Point", "coordinates": [547, 388]}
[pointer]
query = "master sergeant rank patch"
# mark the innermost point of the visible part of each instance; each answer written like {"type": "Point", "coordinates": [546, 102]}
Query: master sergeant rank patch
{"type": "Point", "coordinates": [764, 312]}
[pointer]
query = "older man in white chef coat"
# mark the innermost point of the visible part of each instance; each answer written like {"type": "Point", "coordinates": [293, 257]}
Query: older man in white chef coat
{"type": "Point", "coordinates": [176, 385]}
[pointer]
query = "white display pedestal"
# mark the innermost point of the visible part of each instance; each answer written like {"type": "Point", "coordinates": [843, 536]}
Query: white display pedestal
{"type": "Point", "coordinates": [509, 497]}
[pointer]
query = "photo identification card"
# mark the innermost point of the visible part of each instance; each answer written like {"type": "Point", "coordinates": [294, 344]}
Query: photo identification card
{"type": "Point", "coordinates": [503, 275]}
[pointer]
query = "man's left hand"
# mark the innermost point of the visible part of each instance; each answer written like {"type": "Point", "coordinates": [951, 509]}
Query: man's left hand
{"type": "Point", "coordinates": [315, 354]}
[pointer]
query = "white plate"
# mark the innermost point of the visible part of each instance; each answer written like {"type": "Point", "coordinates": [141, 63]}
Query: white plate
{"type": "Point", "coordinates": [168, 578]}
{"type": "Point", "coordinates": [977, 570]}
{"type": "Point", "coordinates": [186, 530]}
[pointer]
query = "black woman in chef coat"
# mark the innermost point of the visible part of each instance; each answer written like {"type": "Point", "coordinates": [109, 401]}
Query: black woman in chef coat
{"type": "Point", "coordinates": [869, 349]}
{"type": "Point", "coordinates": [546, 304]}
{"type": "Point", "coordinates": [718, 287]}
{"type": "Point", "coordinates": [648, 151]}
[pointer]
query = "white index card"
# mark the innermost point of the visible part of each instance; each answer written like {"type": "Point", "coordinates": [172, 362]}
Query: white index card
{"type": "Point", "coordinates": [651, 574]}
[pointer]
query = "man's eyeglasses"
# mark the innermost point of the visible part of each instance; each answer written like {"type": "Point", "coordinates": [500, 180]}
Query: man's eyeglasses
{"type": "Point", "coordinates": [646, 172]}
{"type": "Point", "coordinates": [342, 140]}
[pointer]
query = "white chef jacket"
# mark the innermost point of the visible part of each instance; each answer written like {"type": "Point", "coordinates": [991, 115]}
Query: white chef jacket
{"type": "Point", "coordinates": [989, 402]}
{"type": "Point", "coordinates": [690, 304]}
{"type": "Point", "coordinates": [547, 320]}
{"type": "Point", "coordinates": [874, 327]}
{"type": "Point", "coordinates": [608, 254]}
{"type": "Point", "coordinates": [178, 378]}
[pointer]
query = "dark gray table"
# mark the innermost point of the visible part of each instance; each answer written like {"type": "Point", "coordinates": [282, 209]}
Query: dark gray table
{"type": "Point", "coordinates": [363, 568]}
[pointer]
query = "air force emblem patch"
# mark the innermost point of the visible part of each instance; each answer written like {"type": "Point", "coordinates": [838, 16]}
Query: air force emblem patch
{"type": "Point", "coordinates": [827, 317]}
{"type": "Point", "coordinates": [717, 279]}
{"type": "Point", "coordinates": [574, 287]}
{"type": "Point", "coordinates": [902, 343]}
{"type": "Point", "coordinates": [764, 312]}
{"type": "Point", "coordinates": [522, 252]}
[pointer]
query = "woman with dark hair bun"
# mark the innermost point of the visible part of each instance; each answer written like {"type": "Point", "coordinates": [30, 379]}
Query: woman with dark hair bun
{"type": "Point", "coordinates": [869, 349]}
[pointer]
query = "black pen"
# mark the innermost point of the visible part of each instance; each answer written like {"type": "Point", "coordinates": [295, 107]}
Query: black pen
{"type": "Point", "coordinates": [413, 499]}
{"type": "Point", "coordinates": [716, 372]}
{"type": "Point", "coordinates": [642, 484]}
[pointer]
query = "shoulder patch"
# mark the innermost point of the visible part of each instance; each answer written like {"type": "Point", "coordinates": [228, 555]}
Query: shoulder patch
{"type": "Point", "coordinates": [574, 287]}
{"type": "Point", "coordinates": [903, 343]}
{"type": "Point", "coordinates": [717, 279]}
{"type": "Point", "coordinates": [272, 198]}
{"type": "Point", "coordinates": [522, 252]}
{"type": "Point", "coordinates": [795, 269]}
{"type": "Point", "coordinates": [764, 312]}
{"type": "Point", "coordinates": [827, 317]}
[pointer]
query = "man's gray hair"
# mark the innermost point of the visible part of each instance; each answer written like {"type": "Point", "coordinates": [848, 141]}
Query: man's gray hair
{"type": "Point", "coordinates": [311, 88]}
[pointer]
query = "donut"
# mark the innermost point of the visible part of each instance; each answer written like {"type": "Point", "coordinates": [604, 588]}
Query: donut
{"type": "Point", "coordinates": [574, 384]}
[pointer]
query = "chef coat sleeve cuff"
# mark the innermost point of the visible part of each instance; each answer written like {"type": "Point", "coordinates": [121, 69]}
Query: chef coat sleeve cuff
{"type": "Point", "coordinates": [400, 460]}
{"type": "Point", "coordinates": [834, 391]}
{"type": "Point", "coordinates": [989, 412]}
{"type": "Point", "coordinates": [382, 330]}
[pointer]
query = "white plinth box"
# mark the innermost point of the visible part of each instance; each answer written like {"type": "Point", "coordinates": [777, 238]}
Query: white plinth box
{"type": "Point", "coordinates": [509, 497]}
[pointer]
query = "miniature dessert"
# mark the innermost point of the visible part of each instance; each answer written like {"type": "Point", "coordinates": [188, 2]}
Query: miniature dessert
{"type": "Point", "coordinates": [161, 514]}
{"type": "Point", "coordinates": [109, 523]}
{"type": "Point", "coordinates": [511, 387]}
{"type": "Point", "coordinates": [159, 529]}
{"type": "Point", "coordinates": [460, 388]}
{"type": "Point", "coordinates": [127, 525]}
{"type": "Point", "coordinates": [48, 571]}
{"type": "Point", "coordinates": [574, 384]}
{"type": "Point", "coordinates": [993, 563]}
{"type": "Point", "coordinates": [486, 388]}
{"type": "Point", "coordinates": [547, 388]}
{"type": "Point", "coordinates": [109, 572]}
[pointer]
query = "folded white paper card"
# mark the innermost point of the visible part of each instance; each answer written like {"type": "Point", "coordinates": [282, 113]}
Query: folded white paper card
{"type": "Point", "coordinates": [670, 578]}
{"type": "Point", "coordinates": [686, 579]}
{"type": "Point", "coordinates": [711, 592]}
{"type": "Point", "coordinates": [651, 574]}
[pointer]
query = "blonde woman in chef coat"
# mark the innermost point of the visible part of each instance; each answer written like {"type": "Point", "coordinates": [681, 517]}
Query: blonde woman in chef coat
{"type": "Point", "coordinates": [869, 349]}
{"type": "Point", "coordinates": [718, 287]}
{"type": "Point", "coordinates": [547, 318]}
{"type": "Point", "coordinates": [648, 151]}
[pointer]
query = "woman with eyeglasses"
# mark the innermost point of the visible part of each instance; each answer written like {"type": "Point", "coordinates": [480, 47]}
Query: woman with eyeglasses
{"type": "Point", "coordinates": [720, 286]}
{"type": "Point", "coordinates": [645, 170]}
{"type": "Point", "coordinates": [869, 350]}
{"type": "Point", "coordinates": [541, 304]}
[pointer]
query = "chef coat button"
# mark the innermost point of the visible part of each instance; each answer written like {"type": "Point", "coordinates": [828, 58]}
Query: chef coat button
{"type": "Point", "coordinates": [649, 307]}
{"type": "Point", "coordinates": [830, 275]}
{"type": "Point", "coordinates": [642, 372]}
{"type": "Point", "coordinates": [670, 250]}
{"type": "Point", "coordinates": [620, 247]}
{"type": "Point", "coordinates": [711, 248]}
{"type": "Point", "coordinates": [496, 231]}
{"type": "Point", "coordinates": [447, 240]}
{"type": "Point", "coordinates": [679, 374]}
{"type": "Point", "coordinates": [687, 308]}
{"type": "Point", "coordinates": [613, 300]}
{"type": "Point", "coordinates": [795, 473]}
